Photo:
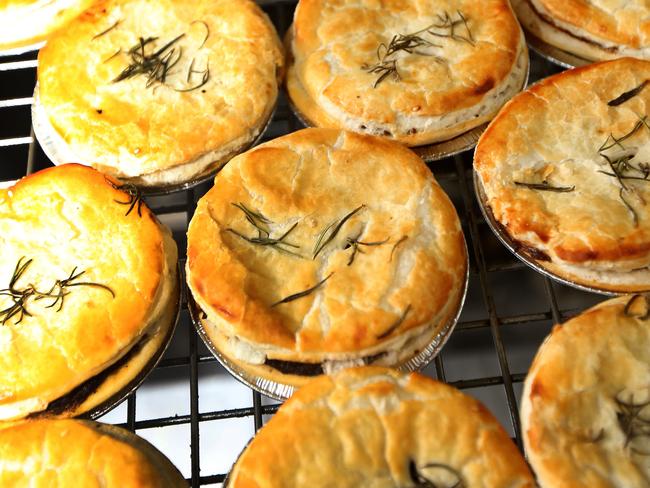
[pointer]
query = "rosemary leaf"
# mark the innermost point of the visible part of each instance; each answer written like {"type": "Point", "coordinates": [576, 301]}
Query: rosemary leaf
{"type": "Point", "coordinates": [355, 244]}
{"type": "Point", "coordinates": [635, 216]}
{"type": "Point", "coordinates": [624, 97]}
{"type": "Point", "coordinates": [134, 196]}
{"type": "Point", "coordinates": [545, 186]}
{"type": "Point", "coordinates": [207, 31]}
{"type": "Point", "coordinates": [107, 30]}
{"type": "Point", "coordinates": [391, 328]}
{"type": "Point", "coordinates": [304, 293]}
{"type": "Point", "coordinates": [400, 241]}
{"type": "Point", "coordinates": [328, 234]}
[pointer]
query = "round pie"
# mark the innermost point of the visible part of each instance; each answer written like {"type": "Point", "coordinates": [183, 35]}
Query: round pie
{"type": "Point", "coordinates": [416, 72]}
{"type": "Point", "coordinates": [375, 427]}
{"type": "Point", "coordinates": [566, 174]}
{"type": "Point", "coordinates": [24, 23]}
{"type": "Point", "coordinates": [159, 93]}
{"type": "Point", "coordinates": [88, 291]}
{"type": "Point", "coordinates": [323, 249]}
{"type": "Point", "coordinates": [47, 453]}
{"type": "Point", "coordinates": [594, 30]}
{"type": "Point", "coordinates": [585, 409]}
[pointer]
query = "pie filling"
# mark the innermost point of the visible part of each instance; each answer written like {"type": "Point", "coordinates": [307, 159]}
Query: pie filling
{"type": "Point", "coordinates": [71, 400]}
{"type": "Point", "coordinates": [549, 20]}
{"type": "Point", "coordinates": [312, 369]}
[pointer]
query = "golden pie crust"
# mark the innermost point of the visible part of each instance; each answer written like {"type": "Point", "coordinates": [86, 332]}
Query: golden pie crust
{"type": "Point", "coordinates": [388, 299]}
{"type": "Point", "coordinates": [377, 427]}
{"type": "Point", "coordinates": [177, 128]}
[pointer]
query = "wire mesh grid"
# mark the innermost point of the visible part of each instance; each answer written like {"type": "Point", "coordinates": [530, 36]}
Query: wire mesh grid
{"type": "Point", "coordinates": [201, 418]}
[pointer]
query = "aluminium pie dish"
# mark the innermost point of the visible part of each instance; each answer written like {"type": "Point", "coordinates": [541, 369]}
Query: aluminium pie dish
{"type": "Point", "coordinates": [418, 73]}
{"type": "Point", "coordinates": [376, 427]}
{"type": "Point", "coordinates": [585, 408]}
{"type": "Point", "coordinates": [159, 94]}
{"type": "Point", "coordinates": [320, 250]}
{"type": "Point", "coordinates": [594, 30]}
{"type": "Point", "coordinates": [25, 24]}
{"type": "Point", "coordinates": [66, 453]}
{"type": "Point", "coordinates": [563, 175]}
{"type": "Point", "coordinates": [89, 293]}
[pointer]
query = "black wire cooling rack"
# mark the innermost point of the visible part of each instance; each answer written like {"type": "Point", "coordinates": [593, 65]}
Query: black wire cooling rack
{"type": "Point", "coordinates": [508, 311]}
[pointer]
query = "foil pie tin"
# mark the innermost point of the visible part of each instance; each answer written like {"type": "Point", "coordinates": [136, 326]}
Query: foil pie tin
{"type": "Point", "coordinates": [282, 391]}
{"type": "Point", "coordinates": [17, 51]}
{"type": "Point", "coordinates": [58, 151]}
{"type": "Point", "coordinates": [94, 410]}
{"type": "Point", "coordinates": [554, 54]}
{"type": "Point", "coordinates": [529, 260]}
{"type": "Point", "coordinates": [171, 476]}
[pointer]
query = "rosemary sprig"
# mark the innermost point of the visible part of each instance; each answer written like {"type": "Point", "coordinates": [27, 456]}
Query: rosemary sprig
{"type": "Point", "coordinates": [452, 478]}
{"type": "Point", "coordinates": [443, 27]}
{"type": "Point", "coordinates": [625, 96]}
{"type": "Point", "coordinates": [355, 244]}
{"type": "Point", "coordinates": [134, 197]}
{"type": "Point", "coordinates": [328, 234]}
{"type": "Point", "coordinates": [106, 31]}
{"type": "Point", "coordinates": [303, 293]}
{"type": "Point", "coordinates": [260, 223]}
{"type": "Point", "coordinates": [631, 422]}
{"type": "Point", "coordinates": [400, 241]}
{"type": "Point", "coordinates": [21, 296]}
{"type": "Point", "coordinates": [391, 328]}
{"type": "Point", "coordinates": [113, 56]}
{"type": "Point", "coordinates": [545, 186]}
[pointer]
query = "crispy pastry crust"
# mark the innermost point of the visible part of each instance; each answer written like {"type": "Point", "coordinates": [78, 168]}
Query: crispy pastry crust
{"type": "Point", "coordinates": [315, 177]}
{"type": "Point", "coordinates": [569, 412]}
{"type": "Point", "coordinates": [554, 132]}
{"type": "Point", "coordinates": [596, 30]}
{"type": "Point", "coordinates": [27, 22]}
{"type": "Point", "coordinates": [435, 100]}
{"type": "Point", "coordinates": [364, 426]}
{"type": "Point", "coordinates": [63, 218]}
{"type": "Point", "coordinates": [61, 453]}
{"type": "Point", "coordinates": [160, 134]}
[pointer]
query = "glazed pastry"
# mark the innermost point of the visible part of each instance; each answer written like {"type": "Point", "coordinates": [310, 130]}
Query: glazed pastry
{"type": "Point", "coordinates": [564, 170]}
{"type": "Point", "coordinates": [65, 453]}
{"type": "Point", "coordinates": [418, 73]}
{"type": "Point", "coordinates": [24, 23]}
{"type": "Point", "coordinates": [323, 249]}
{"type": "Point", "coordinates": [164, 92]}
{"type": "Point", "coordinates": [375, 427]}
{"type": "Point", "coordinates": [594, 30]}
{"type": "Point", "coordinates": [586, 404]}
{"type": "Point", "coordinates": [88, 291]}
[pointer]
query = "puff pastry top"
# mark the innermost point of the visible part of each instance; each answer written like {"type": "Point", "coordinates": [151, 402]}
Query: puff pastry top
{"type": "Point", "coordinates": [586, 381]}
{"type": "Point", "coordinates": [555, 132]}
{"type": "Point", "coordinates": [312, 179]}
{"type": "Point", "coordinates": [374, 427]}
{"type": "Point", "coordinates": [26, 22]}
{"type": "Point", "coordinates": [64, 453]}
{"type": "Point", "coordinates": [597, 29]}
{"type": "Point", "coordinates": [446, 86]}
{"type": "Point", "coordinates": [129, 129]}
{"type": "Point", "coordinates": [64, 219]}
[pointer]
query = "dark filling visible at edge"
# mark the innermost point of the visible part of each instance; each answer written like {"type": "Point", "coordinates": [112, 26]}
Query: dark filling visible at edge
{"type": "Point", "coordinates": [519, 246]}
{"type": "Point", "coordinates": [550, 21]}
{"type": "Point", "coordinates": [76, 397]}
{"type": "Point", "coordinates": [310, 369]}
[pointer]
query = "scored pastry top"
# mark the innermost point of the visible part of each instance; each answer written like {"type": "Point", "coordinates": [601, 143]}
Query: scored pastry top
{"type": "Point", "coordinates": [375, 427]}
{"type": "Point", "coordinates": [325, 242]}
{"type": "Point", "coordinates": [79, 280]}
{"type": "Point", "coordinates": [586, 401]}
{"type": "Point", "coordinates": [418, 71]}
{"type": "Point", "coordinates": [135, 86]}
{"type": "Point", "coordinates": [566, 166]}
